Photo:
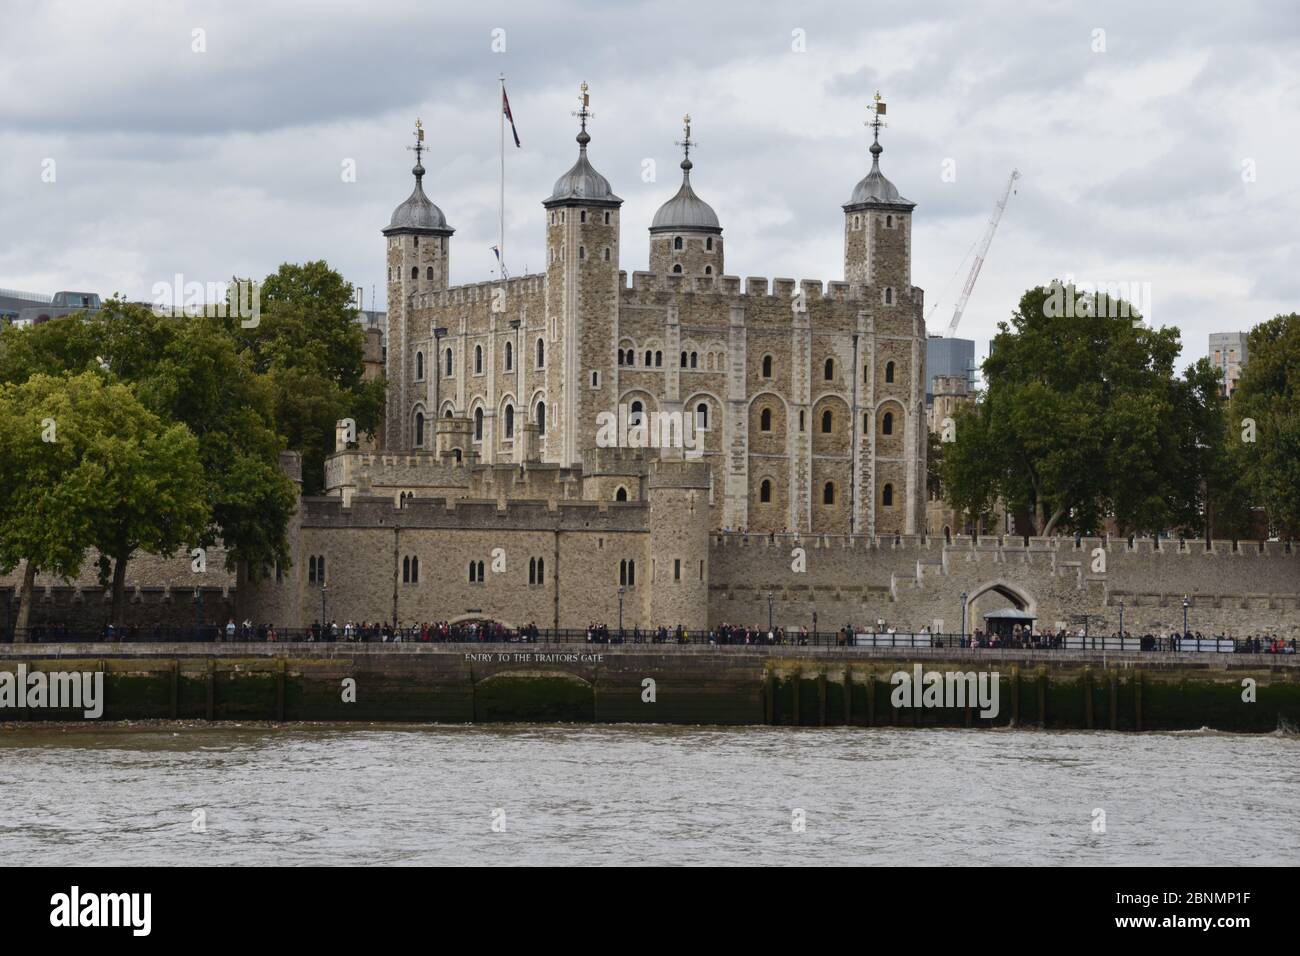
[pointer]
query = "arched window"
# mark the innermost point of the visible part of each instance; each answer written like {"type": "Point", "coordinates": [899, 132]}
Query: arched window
{"type": "Point", "coordinates": [478, 424]}
{"type": "Point", "coordinates": [765, 420]}
{"type": "Point", "coordinates": [708, 243]}
{"type": "Point", "coordinates": [620, 357]}
{"type": "Point", "coordinates": [448, 361]}
{"type": "Point", "coordinates": [419, 366]}
{"type": "Point", "coordinates": [889, 372]}
{"type": "Point", "coordinates": [767, 366]}
{"type": "Point", "coordinates": [708, 270]}
{"type": "Point", "coordinates": [406, 570]}
{"type": "Point", "coordinates": [582, 216]}
{"type": "Point", "coordinates": [621, 494]}
{"type": "Point", "coordinates": [478, 360]}
{"type": "Point", "coordinates": [541, 570]}
{"type": "Point", "coordinates": [415, 272]}
{"type": "Point", "coordinates": [695, 359]}
{"type": "Point", "coordinates": [702, 416]}
{"type": "Point", "coordinates": [627, 572]}
{"type": "Point", "coordinates": [419, 429]}
{"type": "Point", "coordinates": [659, 360]}
{"type": "Point", "coordinates": [635, 412]}
{"type": "Point", "coordinates": [887, 496]}
{"type": "Point", "coordinates": [311, 569]}
{"type": "Point", "coordinates": [428, 273]}
{"type": "Point", "coordinates": [889, 296]}
{"type": "Point", "coordinates": [866, 423]}
{"type": "Point", "coordinates": [765, 491]}
{"type": "Point", "coordinates": [889, 222]}
{"type": "Point", "coordinates": [828, 493]}
{"type": "Point", "coordinates": [510, 421]}
{"type": "Point", "coordinates": [510, 356]}
{"type": "Point", "coordinates": [887, 424]}
{"type": "Point", "coordinates": [677, 268]}
{"type": "Point", "coordinates": [682, 363]}
{"type": "Point", "coordinates": [677, 242]}
{"type": "Point", "coordinates": [828, 422]}
{"type": "Point", "coordinates": [541, 353]}
{"type": "Point", "coordinates": [480, 572]}
{"type": "Point", "coordinates": [607, 253]}
{"type": "Point", "coordinates": [320, 568]}
{"type": "Point", "coordinates": [582, 251]}
{"type": "Point", "coordinates": [829, 371]}
{"type": "Point", "coordinates": [649, 358]}
{"type": "Point", "coordinates": [541, 418]}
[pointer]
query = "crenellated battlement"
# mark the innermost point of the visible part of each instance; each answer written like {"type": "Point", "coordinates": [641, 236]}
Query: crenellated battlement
{"type": "Point", "coordinates": [757, 287]}
{"type": "Point", "coordinates": [1010, 544]}
{"type": "Point", "coordinates": [474, 514]}
{"type": "Point", "coordinates": [482, 292]}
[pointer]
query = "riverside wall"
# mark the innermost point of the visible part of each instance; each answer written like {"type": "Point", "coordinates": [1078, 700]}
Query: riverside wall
{"type": "Point", "coordinates": [694, 684]}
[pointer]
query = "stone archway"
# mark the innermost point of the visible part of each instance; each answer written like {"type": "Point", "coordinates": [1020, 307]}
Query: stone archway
{"type": "Point", "coordinates": [994, 595]}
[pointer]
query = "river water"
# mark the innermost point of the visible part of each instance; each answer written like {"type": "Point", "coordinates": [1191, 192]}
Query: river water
{"type": "Point", "coordinates": [530, 794]}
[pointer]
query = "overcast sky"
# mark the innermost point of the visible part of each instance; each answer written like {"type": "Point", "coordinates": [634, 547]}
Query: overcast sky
{"type": "Point", "coordinates": [1162, 150]}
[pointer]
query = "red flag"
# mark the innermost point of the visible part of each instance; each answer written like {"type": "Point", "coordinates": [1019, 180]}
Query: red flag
{"type": "Point", "coordinates": [505, 105]}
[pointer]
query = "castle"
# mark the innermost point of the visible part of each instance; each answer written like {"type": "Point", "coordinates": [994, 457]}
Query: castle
{"type": "Point", "coordinates": [767, 456]}
{"type": "Point", "coordinates": [805, 403]}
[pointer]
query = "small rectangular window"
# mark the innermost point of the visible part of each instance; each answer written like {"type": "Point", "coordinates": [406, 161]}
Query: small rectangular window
{"type": "Point", "coordinates": [677, 569]}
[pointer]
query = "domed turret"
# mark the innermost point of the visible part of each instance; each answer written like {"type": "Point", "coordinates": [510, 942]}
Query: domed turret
{"type": "Point", "coordinates": [878, 228]}
{"type": "Point", "coordinates": [685, 235]}
{"type": "Point", "coordinates": [417, 213]}
{"type": "Point", "coordinates": [582, 184]}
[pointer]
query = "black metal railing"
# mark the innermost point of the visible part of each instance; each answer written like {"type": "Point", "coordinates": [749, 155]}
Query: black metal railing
{"type": "Point", "coordinates": [496, 634]}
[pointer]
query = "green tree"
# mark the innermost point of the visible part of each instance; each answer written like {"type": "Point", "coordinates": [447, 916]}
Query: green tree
{"type": "Point", "coordinates": [1269, 395]}
{"type": "Point", "coordinates": [1072, 426]}
{"type": "Point", "coordinates": [309, 346]}
{"type": "Point", "coordinates": [89, 465]}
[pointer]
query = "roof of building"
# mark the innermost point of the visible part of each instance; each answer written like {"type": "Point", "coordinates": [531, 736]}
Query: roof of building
{"type": "Point", "coordinates": [418, 212]}
{"type": "Point", "coordinates": [874, 189]}
{"type": "Point", "coordinates": [686, 210]}
{"type": "Point", "coordinates": [582, 183]}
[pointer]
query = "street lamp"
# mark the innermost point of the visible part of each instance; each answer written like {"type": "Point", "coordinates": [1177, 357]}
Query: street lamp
{"type": "Point", "coordinates": [322, 611]}
{"type": "Point", "coordinates": [621, 590]}
{"type": "Point", "coordinates": [769, 612]}
{"type": "Point", "coordinates": [1186, 604]}
{"type": "Point", "coordinates": [963, 617]}
{"type": "Point", "coordinates": [1121, 624]}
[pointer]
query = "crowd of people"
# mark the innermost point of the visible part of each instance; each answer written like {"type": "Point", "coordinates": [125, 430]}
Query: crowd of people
{"type": "Point", "coordinates": [1018, 637]}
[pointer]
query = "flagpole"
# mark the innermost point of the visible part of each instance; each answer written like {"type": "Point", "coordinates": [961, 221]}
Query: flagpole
{"type": "Point", "coordinates": [501, 226]}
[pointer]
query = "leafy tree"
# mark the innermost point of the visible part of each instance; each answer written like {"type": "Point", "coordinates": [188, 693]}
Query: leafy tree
{"type": "Point", "coordinates": [88, 465]}
{"type": "Point", "coordinates": [1074, 423]}
{"type": "Point", "coordinates": [1269, 394]}
{"type": "Point", "coordinates": [309, 346]}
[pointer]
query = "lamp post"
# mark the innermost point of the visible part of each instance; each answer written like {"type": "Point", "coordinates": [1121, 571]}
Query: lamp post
{"type": "Point", "coordinates": [323, 628]}
{"type": "Point", "coordinates": [963, 617]}
{"type": "Point", "coordinates": [621, 591]}
{"type": "Point", "coordinates": [1186, 604]}
{"type": "Point", "coordinates": [769, 612]}
{"type": "Point", "coordinates": [1121, 624]}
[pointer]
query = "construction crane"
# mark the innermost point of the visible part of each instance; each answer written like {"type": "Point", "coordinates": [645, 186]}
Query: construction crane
{"type": "Point", "coordinates": [981, 253]}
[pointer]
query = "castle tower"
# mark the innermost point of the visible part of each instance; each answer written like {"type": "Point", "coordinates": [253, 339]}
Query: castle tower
{"type": "Point", "coordinates": [418, 248]}
{"type": "Point", "coordinates": [685, 236]}
{"type": "Point", "coordinates": [582, 286]}
{"type": "Point", "coordinates": [878, 228]}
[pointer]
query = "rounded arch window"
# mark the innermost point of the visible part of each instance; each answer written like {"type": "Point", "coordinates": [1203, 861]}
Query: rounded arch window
{"type": "Point", "coordinates": [419, 429]}
{"type": "Point", "coordinates": [887, 424]}
{"type": "Point", "coordinates": [541, 353]}
{"type": "Point", "coordinates": [428, 273]}
{"type": "Point", "coordinates": [677, 244]}
{"type": "Point", "coordinates": [828, 493]}
{"type": "Point", "coordinates": [765, 420]}
{"type": "Point", "coordinates": [767, 366]}
{"type": "Point", "coordinates": [702, 416]}
{"type": "Point", "coordinates": [636, 411]}
{"type": "Point", "coordinates": [447, 354]}
{"type": "Point", "coordinates": [828, 421]}
{"type": "Point", "coordinates": [415, 272]}
{"type": "Point", "coordinates": [478, 360]}
{"type": "Point", "coordinates": [419, 366]}
{"type": "Point", "coordinates": [887, 496]}
{"type": "Point", "coordinates": [510, 356]}
{"type": "Point", "coordinates": [510, 421]}
{"type": "Point", "coordinates": [677, 268]}
{"type": "Point", "coordinates": [708, 270]}
{"type": "Point", "coordinates": [889, 372]}
{"type": "Point", "coordinates": [765, 491]}
{"type": "Point", "coordinates": [478, 424]}
{"type": "Point", "coordinates": [829, 369]}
